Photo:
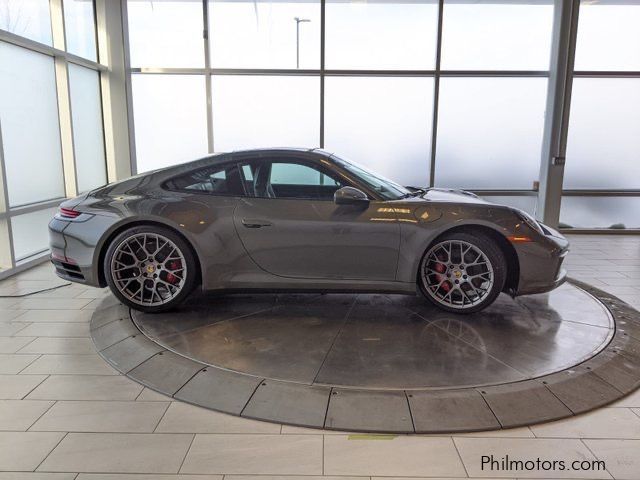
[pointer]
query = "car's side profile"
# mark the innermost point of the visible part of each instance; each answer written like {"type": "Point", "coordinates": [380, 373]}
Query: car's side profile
{"type": "Point", "coordinates": [298, 220]}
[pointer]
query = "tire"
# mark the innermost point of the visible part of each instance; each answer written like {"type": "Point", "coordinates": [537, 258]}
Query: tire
{"type": "Point", "coordinates": [464, 283]}
{"type": "Point", "coordinates": [150, 268]}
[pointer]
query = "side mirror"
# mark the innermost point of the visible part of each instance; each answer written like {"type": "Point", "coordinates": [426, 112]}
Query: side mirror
{"type": "Point", "coordinates": [350, 196]}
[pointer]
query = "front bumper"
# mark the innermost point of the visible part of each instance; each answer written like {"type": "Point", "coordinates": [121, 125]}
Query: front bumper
{"type": "Point", "coordinates": [541, 263]}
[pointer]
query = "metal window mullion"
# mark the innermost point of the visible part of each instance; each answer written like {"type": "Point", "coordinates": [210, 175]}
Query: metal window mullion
{"type": "Point", "coordinates": [436, 97]}
{"type": "Point", "coordinates": [37, 47]}
{"type": "Point", "coordinates": [7, 254]}
{"type": "Point", "coordinates": [556, 124]}
{"type": "Point", "coordinates": [207, 73]}
{"type": "Point", "coordinates": [128, 87]}
{"type": "Point", "coordinates": [323, 5]}
{"type": "Point", "coordinates": [64, 100]}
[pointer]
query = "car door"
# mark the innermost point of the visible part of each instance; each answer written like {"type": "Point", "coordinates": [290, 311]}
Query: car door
{"type": "Point", "coordinates": [291, 227]}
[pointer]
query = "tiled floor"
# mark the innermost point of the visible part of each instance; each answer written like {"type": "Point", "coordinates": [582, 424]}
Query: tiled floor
{"type": "Point", "coordinates": [65, 414]}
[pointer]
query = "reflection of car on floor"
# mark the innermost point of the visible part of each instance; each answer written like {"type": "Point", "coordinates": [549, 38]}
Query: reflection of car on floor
{"type": "Point", "coordinates": [303, 220]}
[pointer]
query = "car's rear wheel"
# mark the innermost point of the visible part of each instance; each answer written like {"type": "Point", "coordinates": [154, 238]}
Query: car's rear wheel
{"type": "Point", "coordinates": [150, 268]}
{"type": "Point", "coordinates": [462, 272]}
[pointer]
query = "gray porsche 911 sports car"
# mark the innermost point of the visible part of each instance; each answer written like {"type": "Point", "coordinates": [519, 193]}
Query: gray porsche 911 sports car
{"type": "Point", "coordinates": [298, 220]}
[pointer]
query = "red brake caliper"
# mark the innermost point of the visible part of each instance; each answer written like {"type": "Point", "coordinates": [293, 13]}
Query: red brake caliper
{"type": "Point", "coordinates": [173, 266]}
{"type": "Point", "coordinates": [442, 268]}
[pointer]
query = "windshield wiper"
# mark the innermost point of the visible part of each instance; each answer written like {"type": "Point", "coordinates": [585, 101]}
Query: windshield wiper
{"type": "Point", "coordinates": [416, 193]}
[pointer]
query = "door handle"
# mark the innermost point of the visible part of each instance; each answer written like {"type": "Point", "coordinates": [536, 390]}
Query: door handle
{"type": "Point", "coordinates": [255, 223]}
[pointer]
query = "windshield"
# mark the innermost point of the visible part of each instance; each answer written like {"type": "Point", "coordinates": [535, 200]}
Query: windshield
{"type": "Point", "coordinates": [385, 188]}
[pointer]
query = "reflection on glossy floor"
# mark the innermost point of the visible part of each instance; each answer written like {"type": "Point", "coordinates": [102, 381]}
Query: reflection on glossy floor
{"type": "Point", "coordinates": [384, 341]}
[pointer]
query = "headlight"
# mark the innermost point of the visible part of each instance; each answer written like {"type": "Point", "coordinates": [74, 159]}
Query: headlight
{"type": "Point", "coordinates": [529, 220]}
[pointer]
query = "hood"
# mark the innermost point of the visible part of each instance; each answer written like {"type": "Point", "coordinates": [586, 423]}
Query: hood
{"type": "Point", "coordinates": [451, 195]}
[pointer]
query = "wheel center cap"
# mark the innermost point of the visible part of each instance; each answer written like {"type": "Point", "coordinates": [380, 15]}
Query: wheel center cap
{"type": "Point", "coordinates": [151, 269]}
{"type": "Point", "coordinates": [457, 273]}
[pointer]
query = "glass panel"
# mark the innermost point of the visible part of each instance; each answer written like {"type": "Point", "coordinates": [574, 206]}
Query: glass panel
{"type": "Point", "coordinates": [493, 35]}
{"type": "Point", "coordinates": [490, 132]}
{"type": "Point", "coordinates": [27, 18]}
{"type": "Point", "coordinates": [292, 180]}
{"type": "Point", "coordinates": [381, 34]}
{"type": "Point", "coordinates": [295, 174]}
{"type": "Point", "coordinates": [88, 139]}
{"type": "Point", "coordinates": [523, 202]}
{"type": "Point", "coordinates": [608, 35]}
{"type": "Point", "coordinates": [80, 30]}
{"type": "Point", "coordinates": [170, 119]}
{"type": "Point", "coordinates": [30, 233]}
{"type": "Point", "coordinates": [30, 129]}
{"type": "Point", "coordinates": [600, 212]}
{"type": "Point", "coordinates": [263, 111]}
{"type": "Point", "coordinates": [216, 180]}
{"type": "Point", "coordinates": [265, 34]}
{"type": "Point", "coordinates": [604, 132]}
{"type": "Point", "coordinates": [165, 34]}
{"type": "Point", "coordinates": [382, 123]}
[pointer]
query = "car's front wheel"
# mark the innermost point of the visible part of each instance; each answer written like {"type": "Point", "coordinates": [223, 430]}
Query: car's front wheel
{"type": "Point", "coordinates": [462, 272]}
{"type": "Point", "coordinates": [150, 268]}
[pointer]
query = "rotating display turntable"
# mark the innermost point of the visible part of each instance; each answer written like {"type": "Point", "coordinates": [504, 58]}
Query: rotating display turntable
{"type": "Point", "coordinates": [382, 363]}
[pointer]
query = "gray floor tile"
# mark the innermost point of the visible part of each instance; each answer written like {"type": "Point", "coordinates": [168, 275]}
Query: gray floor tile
{"type": "Point", "coordinates": [364, 410]}
{"type": "Point", "coordinates": [11, 364]}
{"type": "Point", "coordinates": [60, 346]}
{"type": "Point", "coordinates": [446, 411]}
{"type": "Point", "coordinates": [23, 451]}
{"type": "Point", "coordinates": [602, 423]}
{"type": "Point", "coordinates": [102, 416]}
{"type": "Point", "coordinates": [8, 329]}
{"type": "Point", "coordinates": [220, 389]}
{"type": "Point", "coordinates": [580, 390]}
{"type": "Point", "coordinates": [13, 344]}
{"type": "Point", "coordinates": [14, 387]}
{"type": "Point", "coordinates": [118, 453]}
{"type": "Point", "coordinates": [148, 395]}
{"type": "Point", "coordinates": [112, 332]}
{"type": "Point", "coordinates": [56, 316]}
{"type": "Point", "coordinates": [36, 476]}
{"type": "Point", "coordinates": [9, 303]}
{"type": "Point", "coordinates": [6, 315]}
{"type": "Point", "coordinates": [631, 400]}
{"type": "Point", "coordinates": [184, 418]}
{"type": "Point", "coordinates": [522, 403]}
{"type": "Point", "coordinates": [137, 476]}
{"type": "Point", "coordinates": [621, 457]}
{"type": "Point", "coordinates": [19, 415]}
{"type": "Point", "coordinates": [288, 402]}
{"type": "Point", "coordinates": [255, 454]}
{"type": "Point", "coordinates": [387, 455]}
{"type": "Point", "coordinates": [52, 303]}
{"type": "Point", "coordinates": [55, 329]}
{"type": "Point", "coordinates": [84, 387]}
{"type": "Point", "coordinates": [130, 352]}
{"type": "Point", "coordinates": [70, 365]}
{"type": "Point", "coordinates": [165, 372]}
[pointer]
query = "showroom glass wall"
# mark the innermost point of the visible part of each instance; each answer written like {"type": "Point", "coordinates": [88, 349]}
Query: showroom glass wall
{"type": "Point", "coordinates": [51, 123]}
{"type": "Point", "coordinates": [447, 93]}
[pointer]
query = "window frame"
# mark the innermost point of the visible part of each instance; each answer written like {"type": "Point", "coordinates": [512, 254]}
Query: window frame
{"type": "Point", "coordinates": [272, 158]}
{"type": "Point", "coordinates": [166, 184]}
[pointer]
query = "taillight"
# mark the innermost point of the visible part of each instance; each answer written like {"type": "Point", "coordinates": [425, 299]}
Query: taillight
{"type": "Point", "coordinates": [68, 213]}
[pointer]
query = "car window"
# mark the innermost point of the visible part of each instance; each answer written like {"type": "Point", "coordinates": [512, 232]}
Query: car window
{"type": "Point", "coordinates": [296, 174]}
{"type": "Point", "coordinates": [284, 179]}
{"type": "Point", "coordinates": [215, 180]}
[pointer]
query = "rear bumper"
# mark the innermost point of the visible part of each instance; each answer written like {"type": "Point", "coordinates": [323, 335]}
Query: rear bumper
{"type": "Point", "coordinates": [73, 248]}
